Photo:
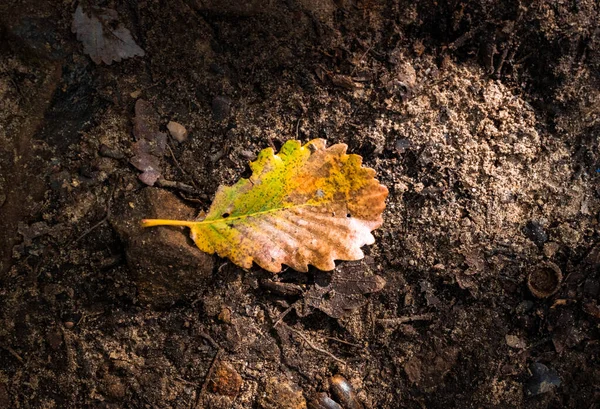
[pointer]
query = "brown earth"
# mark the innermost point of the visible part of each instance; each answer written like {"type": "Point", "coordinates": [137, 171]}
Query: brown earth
{"type": "Point", "coordinates": [482, 118]}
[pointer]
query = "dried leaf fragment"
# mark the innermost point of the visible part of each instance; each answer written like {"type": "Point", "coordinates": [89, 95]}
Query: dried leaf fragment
{"type": "Point", "coordinates": [344, 291]}
{"type": "Point", "coordinates": [305, 205]}
{"type": "Point", "coordinates": [151, 143]}
{"type": "Point", "coordinates": [100, 41]}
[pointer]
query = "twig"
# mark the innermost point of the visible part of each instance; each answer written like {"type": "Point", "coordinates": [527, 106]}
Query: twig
{"type": "Point", "coordinates": [316, 348]}
{"type": "Point", "coordinates": [361, 58]}
{"type": "Point", "coordinates": [13, 353]}
{"type": "Point", "coordinates": [68, 338]}
{"type": "Point", "coordinates": [298, 127]}
{"type": "Point", "coordinates": [175, 185]}
{"type": "Point", "coordinates": [282, 315]}
{"type": "Point", "coordinates": [104, 219]}
{"type": "Point", "coordinates": [94, 227]}
{"type": "Point", "coordinates": [402, 320]}
{"type": "Point", "coordinates": [208, 376]}
{"type": "Point", "coordinates": [341, 341]}
{"type": "Point", "coordinates": [180, 168]}
{"type": "Point", "coordinates": [210, 340]}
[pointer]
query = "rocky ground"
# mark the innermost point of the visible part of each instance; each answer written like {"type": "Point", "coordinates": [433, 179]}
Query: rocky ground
{"type": "Point", "coordinates": [482, 118]}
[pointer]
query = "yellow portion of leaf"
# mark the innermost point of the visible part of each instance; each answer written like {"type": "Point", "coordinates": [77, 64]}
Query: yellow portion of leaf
{"type": "Point", "coordinates": [305, 205]}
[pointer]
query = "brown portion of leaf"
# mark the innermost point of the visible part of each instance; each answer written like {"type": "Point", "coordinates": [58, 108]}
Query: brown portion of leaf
{"type": "Point", "coordinates": [101, 42]}
{"type": "Point", "coordinates": [340, 293]}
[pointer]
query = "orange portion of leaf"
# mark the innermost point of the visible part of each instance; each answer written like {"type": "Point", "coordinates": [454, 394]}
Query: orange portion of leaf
{"type": "Point", "coordinates": [305, 205]}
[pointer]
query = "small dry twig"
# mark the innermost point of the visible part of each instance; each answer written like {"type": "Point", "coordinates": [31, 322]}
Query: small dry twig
{"type": "Point", "coordinates": [13, 353]}
{"type": "Point", "coordinates": [179, 166]}
{"type": "Point", "coordinates": [402, 320]}
{"type": "Point", "coordinates": [175, 185]}
{"type": "Point", "coordinates": [341, 341]}
{"type": "Point", "coordinates": [283, 314]}
{"type": "Point", "coordinates": [208, 376]}
{"type": "Point", "coordinates": [104, 219]}
{"type": "Point", "coordinates": [313, 346]}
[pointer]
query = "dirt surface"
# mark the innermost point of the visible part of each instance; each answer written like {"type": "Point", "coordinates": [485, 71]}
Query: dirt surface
{"type": "Point", "coordinates": [482, 118]}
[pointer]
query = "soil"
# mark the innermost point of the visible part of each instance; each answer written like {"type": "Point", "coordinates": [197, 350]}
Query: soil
{"type": "Point", "coordinates": [482, 118]}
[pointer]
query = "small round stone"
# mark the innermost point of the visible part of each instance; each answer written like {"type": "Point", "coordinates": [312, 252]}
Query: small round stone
{"type": "Point", "coordinates": [177, 131]}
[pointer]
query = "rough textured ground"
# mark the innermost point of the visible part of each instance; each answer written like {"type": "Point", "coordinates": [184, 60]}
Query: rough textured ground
{"type": "Point", "coordinates": [482, 118]}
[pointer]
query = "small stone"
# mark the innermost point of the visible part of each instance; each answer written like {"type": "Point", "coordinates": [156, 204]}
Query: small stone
{"type": "Point", "coordinates": [550, 249]}
{"type": "Point", "coordinates": [221, 107]}
{"type": "Point", "coordinates": [225, 380]}
{"type": "Point", "coordinates": [145, 162]}
{"type": "Point", "coordinates": [280, 393]}
{"type": "Point", "coordinates": [225, 315]}
{"type": "Point", "coordinates": [568, 235]}
{"type": "Point", "coordinates": [114, 387]}
{"type": "Point", "coordinates": [149, 177]}
{"type": "Point", "coordinates": [54, 339]}
{"type": "Point", "coordinates": [248, 155]}
{"type": "Point", "coordinates": [177, 131]}
{"type": "Point", "coordinates": [543, 379]}
{"type": "Point", "coordinates": [535, 232]}
{"type": "Point", "coordinates": [412, 367]}
{"type": "Point", "coordinates": [69, 324]}
{"type": "Point", "coordinates": [108, 152]}
{"type": "Point", "coordinates": [400, 187]}
{"type": "Point", "coordinates": [165, 267]}
{"type": "Point", "coordinates": [514, 341]}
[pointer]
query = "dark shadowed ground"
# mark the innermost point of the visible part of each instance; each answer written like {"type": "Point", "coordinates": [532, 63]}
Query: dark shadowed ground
{"type": "Point", "coordinates": [481, 117]}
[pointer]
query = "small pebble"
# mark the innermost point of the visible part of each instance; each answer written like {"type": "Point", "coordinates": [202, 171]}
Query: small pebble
{"type": "Point", "coordinates": [108, 152]}
{"type": "Point", "coordinates": [177, 131]}
{"type": "Point", "coordinates": [543, 379]}
{"type": "Point", "coordinates": [115, 389]}
{"type": "Point", "coordinates": [535, 232]}
{"type": "Point", "coordinates": [550, 249]}
{"type": "Point", "coordinates": [343, 393]}
{"type": "Point", "coordinates": [225, 315]}
{"type": "Point", "coordinates": [149, 177]}
{"type": "Point", "coordinates": [221, 106]}
{"type": "Point", "coordinates": [54, 339]}
{"type": "Point", "coordinates": [322, 401]}
{"type": "Point", "coordinates": [280, 393]}
{"type": "Point", "coordinates": [248, 155]}
{"type": "Point", "coordinates": [514, 341]}
{"type": "Point", "coordinates": [225, 380]}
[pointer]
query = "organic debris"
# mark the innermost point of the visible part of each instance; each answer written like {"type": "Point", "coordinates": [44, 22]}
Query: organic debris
{"type": "Point", "coordinates": [151, 143]}
{"type": "Point", "coordinates": [306, 205]}
{"type": "Point", "coordinates": [100, 41]}
{"type": "Point", "coordinates": [340, 293]}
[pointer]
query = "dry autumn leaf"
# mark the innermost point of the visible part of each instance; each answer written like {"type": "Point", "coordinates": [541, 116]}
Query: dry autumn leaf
{"type": "Point", "coordinates": [305, 205]}
{"type": "Point", "coordinates": [103, 39]}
